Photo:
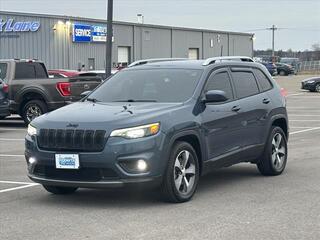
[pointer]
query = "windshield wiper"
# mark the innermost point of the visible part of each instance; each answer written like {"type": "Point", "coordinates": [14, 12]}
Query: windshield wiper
{"type": "Point", "coordinates": [94, 100]}
{"type": "Point", "coordinates": [136, 100]}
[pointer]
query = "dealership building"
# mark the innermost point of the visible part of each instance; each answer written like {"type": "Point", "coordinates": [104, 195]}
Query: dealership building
{"type": "Point", "coordinates": [65, 42]}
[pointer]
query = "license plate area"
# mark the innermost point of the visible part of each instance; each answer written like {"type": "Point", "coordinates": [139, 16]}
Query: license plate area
{"type": "Point", "coordinates": [67, 161]}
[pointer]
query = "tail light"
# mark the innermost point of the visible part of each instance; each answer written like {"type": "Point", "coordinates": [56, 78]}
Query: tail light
{"type": "Point", "coordinates": [5, 88]}
{"type": "Point", "coordinates": [64, 88]}
{"type": "Point", "coordinates": [283, 92]}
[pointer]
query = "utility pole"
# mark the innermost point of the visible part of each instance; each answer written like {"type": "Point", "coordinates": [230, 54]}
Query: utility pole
{"type": "Point", "coordinates": [109, 38]}
{"type": "Point", "coordinates": [273, 29]}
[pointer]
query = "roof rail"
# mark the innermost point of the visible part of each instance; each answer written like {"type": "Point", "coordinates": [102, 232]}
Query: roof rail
{"type": "Point", "coordinates": [154, 60]}
{"type": "Point", "coordinates": [227, 58]}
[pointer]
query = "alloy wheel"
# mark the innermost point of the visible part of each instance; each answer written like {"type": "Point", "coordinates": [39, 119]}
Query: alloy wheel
{"type": "Point", "coordinates": [33, 111]}
{"type": "Point", "coordinates": [278, 151]}
{"type": "Point", "coordinates": [184, 172]}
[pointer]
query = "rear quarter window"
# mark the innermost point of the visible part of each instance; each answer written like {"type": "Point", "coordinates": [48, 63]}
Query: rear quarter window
{"type": "Point", "coordinates": [263, 80]}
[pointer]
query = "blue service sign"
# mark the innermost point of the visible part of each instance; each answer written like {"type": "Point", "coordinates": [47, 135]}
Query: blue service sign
{"type": "Point", "coordinates": [10, 25]}
{"type": "Point", "coordinates": [81, 33]}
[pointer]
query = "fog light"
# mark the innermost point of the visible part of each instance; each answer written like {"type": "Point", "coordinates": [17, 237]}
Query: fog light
{"type": "Point", "coordinates": [32, 160]}
{"type": "Point", "coordinates": [141, 165]}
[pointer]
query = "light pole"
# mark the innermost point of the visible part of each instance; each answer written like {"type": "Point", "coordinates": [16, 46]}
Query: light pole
{"type": "Point", "coordinates": [109, 38]}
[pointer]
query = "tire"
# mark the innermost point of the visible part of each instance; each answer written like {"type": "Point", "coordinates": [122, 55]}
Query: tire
{"type": "Point", "coordinates": [60, 190]}
{"type": "Point", "coordinates": [174, 187]}
{"type": "Point", "coordinates": [274, 159]}
{"type": "Point", "coordinates": [33, 109]}
{"type": "Point", "coordinates": [282, 73]}
{"type": "Point", "coordinates": [317, 88]}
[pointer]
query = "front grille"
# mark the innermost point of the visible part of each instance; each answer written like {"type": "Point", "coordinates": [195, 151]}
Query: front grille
{"type": "Point", "coordinates": [82, 174]}
{"type": "Point", "coordinates": [72, 140]}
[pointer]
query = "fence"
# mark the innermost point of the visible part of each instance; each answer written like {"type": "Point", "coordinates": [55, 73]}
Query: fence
{"type": "Point", "coordinates": [312, 67]}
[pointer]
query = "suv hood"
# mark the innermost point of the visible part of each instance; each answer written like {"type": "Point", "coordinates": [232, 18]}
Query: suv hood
{"type": "Point", "coordinates": [88, 115]}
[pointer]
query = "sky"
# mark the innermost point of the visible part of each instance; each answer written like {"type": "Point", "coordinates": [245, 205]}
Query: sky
{"type": "Point", "coordinates": [298, 20]}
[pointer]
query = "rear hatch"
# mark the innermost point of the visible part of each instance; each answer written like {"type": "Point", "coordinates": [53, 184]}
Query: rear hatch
{"type": "Point", "coordinates": [82, 84]}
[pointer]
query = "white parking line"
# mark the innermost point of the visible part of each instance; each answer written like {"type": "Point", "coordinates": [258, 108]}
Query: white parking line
{"type": "Point", "coordinates": [13, 129]}
{"type": "Point", "coordinates": [21, 183]}
{"type": "Point", "coordinates": [17, 188]}
{"type": "Point", "coordinates": [11, 155]}
{"type": "Point", "coordinates": [303, 120]}
{"type": "Point", "coordinates": [300, 127]}
{"type": "Point", "coordinates": [25, 185]}
{"type": "Point", "coordinates": [294, 94]}
{"type": "Point", "coordinates": [305, 130]}
{"type": "Point", "coordinates": [303, 115]}
{"type": "Point", "coordinates": [11, 139]}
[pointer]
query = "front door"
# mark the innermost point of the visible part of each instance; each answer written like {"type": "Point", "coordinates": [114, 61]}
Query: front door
{"type": "Point", "coordinates": [221, 126]}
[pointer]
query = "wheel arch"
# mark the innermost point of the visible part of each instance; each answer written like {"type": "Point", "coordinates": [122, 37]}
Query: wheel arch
{"type": "Point", "coordinates": [193, 138]}
{"type": "Point", "coordinates": [29, 95]}
{"type": "Point", "coordinates": [281, 121]}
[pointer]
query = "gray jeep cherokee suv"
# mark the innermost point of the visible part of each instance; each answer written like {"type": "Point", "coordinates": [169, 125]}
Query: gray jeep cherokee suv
{"type": "Point", "coordinates": [162, 124]}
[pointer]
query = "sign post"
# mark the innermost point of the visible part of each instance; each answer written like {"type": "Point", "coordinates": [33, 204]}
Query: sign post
{"type": "Point", "coordinates": [109, 38]}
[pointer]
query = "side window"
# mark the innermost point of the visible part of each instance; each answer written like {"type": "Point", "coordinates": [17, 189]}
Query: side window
{"type": "Point", "coordinates": [25, 71]}
{"type": "Point", "coordinates": [220, 81]}
{"type": "Point", "coordinates": [40, 71]}
{"type": "Point", "coordinates": [245, 84]}
{"type": "Point", "coordinates": [264, 82]}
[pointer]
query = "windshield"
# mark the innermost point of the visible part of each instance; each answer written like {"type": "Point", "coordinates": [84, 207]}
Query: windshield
{"type": "Point", "coordinates": [148, 85]}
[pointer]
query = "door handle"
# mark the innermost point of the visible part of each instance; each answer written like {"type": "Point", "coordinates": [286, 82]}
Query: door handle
{"type": "Point", "coordinates": [236, 109]}
{"type": "Point", "coordinates": [266, 100]}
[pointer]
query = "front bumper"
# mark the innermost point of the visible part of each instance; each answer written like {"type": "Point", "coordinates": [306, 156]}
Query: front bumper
{"type": "Point", "coordinates": [101, 169]}
{"type": "Point", "coordinates": [307, 86]}
{"type": "Point", "coordinates": [146, 182]}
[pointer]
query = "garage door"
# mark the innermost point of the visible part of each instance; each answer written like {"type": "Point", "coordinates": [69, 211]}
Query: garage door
{"type": "Point", "coordinates": [123, 55]}
{"type": "Point", "coordinates": [193, 53]}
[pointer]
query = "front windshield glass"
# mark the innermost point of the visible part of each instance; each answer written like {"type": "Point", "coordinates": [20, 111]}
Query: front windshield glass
{"type": "Point", "coordinates": [148, 85]}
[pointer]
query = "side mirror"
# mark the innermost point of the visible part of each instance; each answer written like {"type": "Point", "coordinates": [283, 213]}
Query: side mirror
{"type": "Point", "coordinates": [215, 96]}
{"type": "Point", "coordinates": [84, 94]}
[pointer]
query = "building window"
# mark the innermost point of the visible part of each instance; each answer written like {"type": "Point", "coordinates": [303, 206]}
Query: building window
{"type": "Point", "coordinates": [193, 53]}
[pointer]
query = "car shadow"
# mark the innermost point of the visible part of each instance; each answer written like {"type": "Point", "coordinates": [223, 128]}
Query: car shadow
{"type": "Point", "coordinates": [12, 122]}
{"type": "Point", "coordinates": [98, 198]}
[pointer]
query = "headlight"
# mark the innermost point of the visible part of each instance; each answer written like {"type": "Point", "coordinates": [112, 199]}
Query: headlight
{"type": "Point", "coordinates": [137, 132]}
{"type": "Point", "coordinates": [312, 81]}
{"type": "Point", "coordinates": [31, 130]}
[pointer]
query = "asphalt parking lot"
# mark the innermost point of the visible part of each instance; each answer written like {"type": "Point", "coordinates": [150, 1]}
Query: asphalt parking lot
{"type": "Point", "coordinates": [232, 203]}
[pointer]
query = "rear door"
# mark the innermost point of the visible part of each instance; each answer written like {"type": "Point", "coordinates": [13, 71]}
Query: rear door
{"type": "Point", "coordinates": [252, 109]}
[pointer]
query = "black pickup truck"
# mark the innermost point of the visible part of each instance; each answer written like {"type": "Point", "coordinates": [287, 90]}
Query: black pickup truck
{"type": "Point", "coordinates": [32, 93]}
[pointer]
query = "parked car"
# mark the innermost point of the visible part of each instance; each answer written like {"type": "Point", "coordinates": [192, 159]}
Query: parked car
{"type": "Point", "coordinates": [311, 84]}
{"type": "Point", "coordinates": [284, 69]}
{"type": "Point", "coordinates": [62, 73]}
{"type": "Point", "coordinates": [294, 62]}
{"type": "Point", "coordinates": [271, 67]}
{"type": "Point", "coordinates": [32, 93]}
{"type": "Point", "coordinates": [164, 125]}
{"type": "Point", "coordinates": [4, 102]}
